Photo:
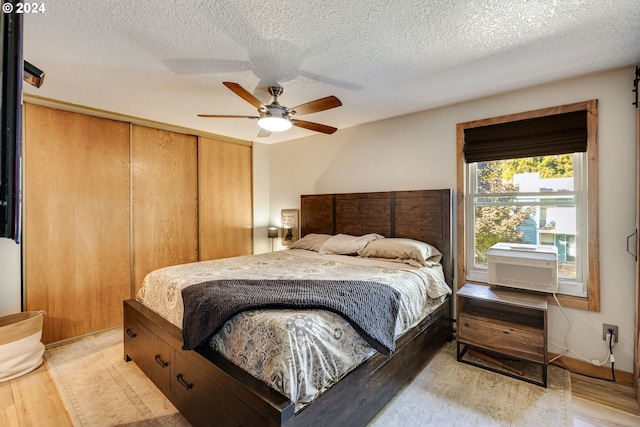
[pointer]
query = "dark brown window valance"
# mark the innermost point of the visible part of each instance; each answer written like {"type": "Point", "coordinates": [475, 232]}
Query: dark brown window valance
{"type": "Point", "coordinates": [557, 134]}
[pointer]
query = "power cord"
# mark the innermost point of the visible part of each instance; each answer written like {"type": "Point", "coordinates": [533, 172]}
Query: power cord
{"type": "Point", "coordinates": [609, 357]}
{"type": "Point", "coordinates": [612, 338]}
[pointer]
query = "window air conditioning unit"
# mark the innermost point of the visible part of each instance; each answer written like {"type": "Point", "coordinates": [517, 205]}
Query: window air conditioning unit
{"type": "Point", "coordinates": [522, 266]}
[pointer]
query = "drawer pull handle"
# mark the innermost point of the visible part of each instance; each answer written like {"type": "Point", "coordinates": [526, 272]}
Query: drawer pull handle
{"type": "Point", "coordinates": [160, 362]}
{"type": "Point", "coordinates": [183, 383]}
{"type": "Point", "coordinates": [131, 334]}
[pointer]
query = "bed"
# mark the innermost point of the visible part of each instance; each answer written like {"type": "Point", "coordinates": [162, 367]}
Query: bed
{"type": "Point", "coordinates": [209, 389]}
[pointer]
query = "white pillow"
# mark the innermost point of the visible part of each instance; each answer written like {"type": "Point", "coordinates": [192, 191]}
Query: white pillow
{"type": "Point", "coordinates": [402, 249]}
{"type": "Point", "coordinates": [346, 244]}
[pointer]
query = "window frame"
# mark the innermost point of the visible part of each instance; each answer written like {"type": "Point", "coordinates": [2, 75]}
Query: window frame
{"type": "Point", "coordinates": [566, 285]}
{"type": "Point", "coordinates": [592, 301]}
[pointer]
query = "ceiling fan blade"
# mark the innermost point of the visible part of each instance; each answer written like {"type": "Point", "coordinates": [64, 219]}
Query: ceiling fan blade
{"type": "Point", "coordinates": [244, 94]}
{"type": "Point", "coordinates": [314, 126]}
{"type": "Point", "coordinates": [221, 116]}
{"type": "Point", "coordinates": [315, 106]}
{"type": "Point", "coordinates": [264, 133]}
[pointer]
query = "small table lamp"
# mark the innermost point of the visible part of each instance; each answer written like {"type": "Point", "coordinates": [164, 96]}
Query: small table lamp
{"type": "Point", "coordinates": [272, 233]}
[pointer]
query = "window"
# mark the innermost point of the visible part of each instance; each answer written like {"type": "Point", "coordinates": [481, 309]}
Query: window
{"type": "Point", "coordinates": [533, 200]}
{"type": "Point", "coordinates": [532, 178]}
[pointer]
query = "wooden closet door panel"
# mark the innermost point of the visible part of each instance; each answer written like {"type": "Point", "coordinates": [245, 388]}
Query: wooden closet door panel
{"type": "Point", "coordinates": [76, 220]}
{"type": "Point", "coordinates": [165, 200]}
{"type": "Point", "coordinates": [226, 209]}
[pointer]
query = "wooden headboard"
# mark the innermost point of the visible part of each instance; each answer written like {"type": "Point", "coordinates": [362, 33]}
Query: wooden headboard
{"type": "Point", "coordinates": [423, 215]}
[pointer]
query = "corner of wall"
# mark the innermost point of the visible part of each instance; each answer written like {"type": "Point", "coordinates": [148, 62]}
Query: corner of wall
{"type": "Point", "coordinates": [10, 277]}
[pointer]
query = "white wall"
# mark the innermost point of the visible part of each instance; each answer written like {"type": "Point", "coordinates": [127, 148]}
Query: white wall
{"type": "Point", "coordinates": [419, 152]}
{"type": "Point", "coordinates": [261, 213]}
{"type": "Point", "coordinates": [10, 283]}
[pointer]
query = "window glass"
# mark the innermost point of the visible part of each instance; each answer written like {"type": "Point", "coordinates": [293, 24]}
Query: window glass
{"type": "Point", "coordinates": [534, 200]}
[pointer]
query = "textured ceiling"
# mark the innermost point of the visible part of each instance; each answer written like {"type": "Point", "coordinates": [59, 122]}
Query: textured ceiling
{"type": "Point", "coordinates": [165, 60]}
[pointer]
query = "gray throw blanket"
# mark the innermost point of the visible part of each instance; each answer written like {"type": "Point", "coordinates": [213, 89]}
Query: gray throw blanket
{"type": "Point", "coordinates": [370, 307]}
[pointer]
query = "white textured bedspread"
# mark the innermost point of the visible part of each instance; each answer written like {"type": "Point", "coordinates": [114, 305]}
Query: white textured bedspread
{"type": "Point", "coordinates": [297, 352]}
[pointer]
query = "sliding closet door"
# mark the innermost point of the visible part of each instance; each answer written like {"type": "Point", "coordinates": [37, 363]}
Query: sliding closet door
{"type": "Point", "coordinates": [164, 178]}
{"type": "Point", "coordinates": [226, 218]}
{"type": "Point", "coordinates": [76, 220]}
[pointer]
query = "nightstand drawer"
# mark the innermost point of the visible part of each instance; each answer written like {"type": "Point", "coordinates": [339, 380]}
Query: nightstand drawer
{"type": "Point", "coordinates": [510, 338]}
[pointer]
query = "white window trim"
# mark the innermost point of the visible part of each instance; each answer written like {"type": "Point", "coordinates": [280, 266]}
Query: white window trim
{"type": "Point", "coordinates": [576, 287]}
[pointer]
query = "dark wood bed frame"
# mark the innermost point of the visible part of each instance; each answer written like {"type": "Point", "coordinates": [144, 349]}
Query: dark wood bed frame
{"type": "Point", "coordinates": [209, 390]}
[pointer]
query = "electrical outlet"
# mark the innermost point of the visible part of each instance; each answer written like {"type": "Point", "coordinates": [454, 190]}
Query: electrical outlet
{"type": "Point", "coordinates": [605, 329]}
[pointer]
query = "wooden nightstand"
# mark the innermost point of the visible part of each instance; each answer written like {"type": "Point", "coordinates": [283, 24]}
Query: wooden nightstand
{"type": "Point", "coordinates": [503, 322]}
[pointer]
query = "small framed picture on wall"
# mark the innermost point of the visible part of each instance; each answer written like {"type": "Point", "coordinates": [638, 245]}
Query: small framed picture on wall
{"type": "Point", "coordinates": [290, 226]}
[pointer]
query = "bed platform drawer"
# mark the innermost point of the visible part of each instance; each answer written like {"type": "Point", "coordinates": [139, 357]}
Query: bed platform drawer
{"type": "Point", "coordinates": [149, 352]}
{"type": "Point", "coordinates": [196, 391]}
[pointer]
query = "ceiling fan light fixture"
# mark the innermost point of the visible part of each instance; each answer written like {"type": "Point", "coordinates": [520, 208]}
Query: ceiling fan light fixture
{"type": "Point", "coordinates": [274, 124]}
{"type": "Point", "coordinates": [275, 119]}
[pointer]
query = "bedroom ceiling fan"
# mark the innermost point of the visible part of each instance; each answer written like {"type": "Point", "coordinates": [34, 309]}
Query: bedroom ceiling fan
{"type": "Point", "coordinates": [277, 118]}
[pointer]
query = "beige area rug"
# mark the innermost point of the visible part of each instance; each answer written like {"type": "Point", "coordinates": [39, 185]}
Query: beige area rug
{"type": "Point", "coordinates": [99, 388]}
{"type": "Point", "coordinates": [449, 393]}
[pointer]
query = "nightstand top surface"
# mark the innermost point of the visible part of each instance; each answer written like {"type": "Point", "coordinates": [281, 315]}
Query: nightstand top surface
{"type": "Point", "coordinates": [508, 296]}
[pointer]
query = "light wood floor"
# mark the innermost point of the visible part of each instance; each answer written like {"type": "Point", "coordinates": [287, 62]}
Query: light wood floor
{"type": "Point", "coordinates": [603, 403]}
{"type": "Point", "coordinates": [32, 401]}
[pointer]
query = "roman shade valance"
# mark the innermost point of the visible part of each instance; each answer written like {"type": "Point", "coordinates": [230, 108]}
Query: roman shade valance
{"type": "Point", "coordinates": [556, 134]}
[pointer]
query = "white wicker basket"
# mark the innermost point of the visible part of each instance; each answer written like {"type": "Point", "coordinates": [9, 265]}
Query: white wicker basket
{"type": "Point", "coordinates": [20, 348]}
